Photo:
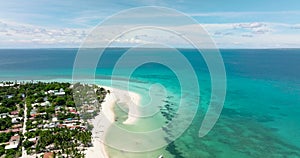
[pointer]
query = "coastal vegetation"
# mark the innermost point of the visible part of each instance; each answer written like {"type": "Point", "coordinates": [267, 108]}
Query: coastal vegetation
{"type": "Point", "coordinates": [47, 118]}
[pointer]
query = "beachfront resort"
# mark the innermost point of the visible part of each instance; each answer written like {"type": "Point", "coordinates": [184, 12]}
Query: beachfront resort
{"type": "Point", "coordinates": [47, 119]}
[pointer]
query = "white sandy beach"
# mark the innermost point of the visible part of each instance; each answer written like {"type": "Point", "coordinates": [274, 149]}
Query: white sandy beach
{"type": "Point", "coordinates": [132, 100]}
{"type": "Point", "coordinates": [106, 117]}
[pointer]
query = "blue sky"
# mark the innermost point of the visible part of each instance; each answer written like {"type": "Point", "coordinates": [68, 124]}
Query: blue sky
{"type": "Point", "coordinates": [231, 23]}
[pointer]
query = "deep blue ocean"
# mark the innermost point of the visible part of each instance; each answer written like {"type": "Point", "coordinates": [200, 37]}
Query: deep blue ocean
{"type": "Point", "coordinates": [261, 114]}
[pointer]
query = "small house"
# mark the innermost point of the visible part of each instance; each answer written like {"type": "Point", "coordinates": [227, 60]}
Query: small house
{"type": "Point", "coordinates": [16, 112]}
{"type": "Point", "coordinates": [48, 155]}
{"type": "Point", "coordinates": [4, 115]}
{"type": "Point", "coordinates": [17, 126]}
{"type": "Point", "coordinates": [9, 96]}
{"type": "Point", "coordinates": [15, 120]}
{"type": "Point", "coordinates": [54, 119]}
{"type": "Point", "coordinates": [46, 103]}
{"type": "Point", "coordinates": [13, 142]}
{"type": "Point", "coordinates": [59, 93]}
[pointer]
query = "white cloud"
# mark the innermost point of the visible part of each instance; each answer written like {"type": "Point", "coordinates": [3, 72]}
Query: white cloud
{"type": "Point", "coordinates": [241, 14]}
{"type": "Point", "coordinates": [255, 35]}
{"type": "Point", "coordinates": [255, 27]}
{"type": "Point", "coordinates": [249, 25]}
{"type": "Point", "coordinates": [295, 27]}
{"type": "Point", "coordinates": [240, 35]}
{"type": "Point", "coordinates": [22, 35]}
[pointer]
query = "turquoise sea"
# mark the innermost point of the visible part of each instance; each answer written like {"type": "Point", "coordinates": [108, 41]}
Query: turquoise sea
{"type": "Point", "coordinates": [261, 113]}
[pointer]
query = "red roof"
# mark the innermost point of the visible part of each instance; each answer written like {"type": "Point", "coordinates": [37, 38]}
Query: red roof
{"type": "Point", "coordinates": [14, 138]}
{"type": "Point", "coordinates": [5, 131]}
{"type": "Point", "coordinates": [48, 155]}
{"type": "Point", "coordinates": [17, 126]}
{"type": "Point", "coordinates": [60, 125]}
{"type": "Point", "coordinates": [16, 130]}
{"type": "Point", "coordinates": [11, 130]}
{"type": "Point", "coordinates": [16, 112]}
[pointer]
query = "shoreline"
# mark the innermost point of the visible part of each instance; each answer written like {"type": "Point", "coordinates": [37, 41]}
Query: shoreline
{"type": "Point", "coordinates": [132, 101]}
{"type": "Point", "coordinates": [106, 117]}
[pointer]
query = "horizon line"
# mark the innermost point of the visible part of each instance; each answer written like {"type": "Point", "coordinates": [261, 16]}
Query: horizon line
{"type": "Point", "coordinates": [28, 48]}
